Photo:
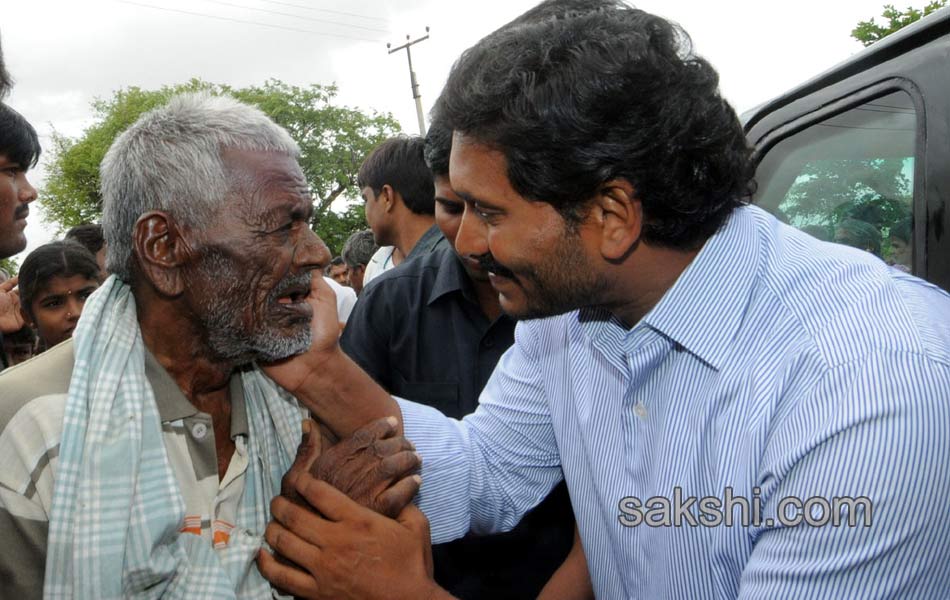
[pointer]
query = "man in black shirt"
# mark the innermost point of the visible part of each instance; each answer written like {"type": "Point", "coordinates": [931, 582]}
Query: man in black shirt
{"type": "Point", "coordinates": [433, 330]}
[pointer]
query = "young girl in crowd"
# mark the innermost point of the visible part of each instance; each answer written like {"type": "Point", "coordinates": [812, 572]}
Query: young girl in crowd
{"type": "Point", "coordinates": [55, 281]}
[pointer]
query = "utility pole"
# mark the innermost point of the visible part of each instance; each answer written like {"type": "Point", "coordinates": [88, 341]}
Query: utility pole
{"type": "Point", "coordinates": [412, 78]}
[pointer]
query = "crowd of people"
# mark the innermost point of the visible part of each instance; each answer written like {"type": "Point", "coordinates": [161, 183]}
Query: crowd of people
{"type": "Point", "coordinates": [564, 315]}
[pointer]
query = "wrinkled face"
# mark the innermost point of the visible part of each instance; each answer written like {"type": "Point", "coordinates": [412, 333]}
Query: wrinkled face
{"type": "Point", "coordinates": [449, 209]}
{"type": "Point", "coordinates": [15, 195]}
{"type": "Point", "coordinates": [538, 264]}
{"type": "Point", "coordinates": [252, 275]}
{"type": "Point", "coordinates": [55, 308]}
{"type": "Point", "coordinates": [338, 274]}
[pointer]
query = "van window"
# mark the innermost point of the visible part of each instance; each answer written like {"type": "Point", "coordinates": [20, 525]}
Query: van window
{"type": "Point", "coordinates": [849, 178]}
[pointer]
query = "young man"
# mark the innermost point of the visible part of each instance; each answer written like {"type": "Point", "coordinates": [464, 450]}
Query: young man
{"type": "Point", "coordinates": [19, 152]}
{"type": "Point", "coordinates": [682, 354]}
{"type": "Point", "coordinates": [433, 330]}
{"type": "Point", "coordinates": [396, 186]}
{"type": "Point", "coordinates": [336, 270]}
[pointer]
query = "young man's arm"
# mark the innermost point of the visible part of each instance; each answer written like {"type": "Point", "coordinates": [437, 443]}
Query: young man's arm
{"type": "Point", "coordinates": [336, 390]}
{"type": "Point", "coordinates": [881, 455]}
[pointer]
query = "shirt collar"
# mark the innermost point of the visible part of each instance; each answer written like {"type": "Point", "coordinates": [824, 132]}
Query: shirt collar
{"type": "Point", "coordinates": [427, 242]}
{"type": "Point", "coordinates": [703, 310]}
{"type": "Point", "coordinates": [451, 277]}
{"type": "Point", "coordinates": [173, 405]}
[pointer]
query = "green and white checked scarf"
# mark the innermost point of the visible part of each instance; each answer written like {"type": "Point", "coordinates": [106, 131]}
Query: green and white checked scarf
{"type": "Point", "coordinates": [117, 510]}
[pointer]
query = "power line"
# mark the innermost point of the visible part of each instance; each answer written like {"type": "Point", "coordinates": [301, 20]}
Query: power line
{"type": "Point", "coordinates": [274, 12]}
{"type": "Point", "coordinates": [207, 16]}
{"type": "Point", "coordinates": [326, 10]}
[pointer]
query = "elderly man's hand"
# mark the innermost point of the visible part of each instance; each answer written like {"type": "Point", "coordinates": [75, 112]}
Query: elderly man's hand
{"type": "Point", "coordinates": [10, 318]}
{"type": "Point", "coordinates": [374, 466]}
{"type": "Point", "coordinates": [291, 373]}
{"type": "Point", "coordinates": [346, 550]}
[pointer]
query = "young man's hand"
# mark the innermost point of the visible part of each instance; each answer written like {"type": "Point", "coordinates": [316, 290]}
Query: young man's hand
{"type": "Point", "coordinates": [292, 373]}
{"type": "Point", "coordinates": [347, 551]}
{"type": "Point", "coordinates": [10, 317]}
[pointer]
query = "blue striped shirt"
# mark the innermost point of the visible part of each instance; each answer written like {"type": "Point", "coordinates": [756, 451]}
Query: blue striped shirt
{"type": "Point", "coordinates": [776, 367]}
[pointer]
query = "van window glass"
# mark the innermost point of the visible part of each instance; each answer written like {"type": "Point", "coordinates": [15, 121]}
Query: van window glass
{"type": "Point", "coordinates": [849, 178]}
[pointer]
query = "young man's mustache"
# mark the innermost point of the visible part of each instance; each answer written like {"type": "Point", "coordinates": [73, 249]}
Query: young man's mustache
{"type": "Point", "coordinates": [488, 263]}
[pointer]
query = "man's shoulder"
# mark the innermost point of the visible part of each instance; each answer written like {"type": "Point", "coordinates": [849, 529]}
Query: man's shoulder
{"type": "Point", "coordinates": [415, 275]}
{"type": "Point", "coordinates": [845, 302]}
{"type": "Point", "coordinates": [45, 375]}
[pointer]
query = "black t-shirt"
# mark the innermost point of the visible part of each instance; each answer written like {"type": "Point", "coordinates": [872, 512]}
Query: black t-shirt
{"type": "Point", "coordinates": [418, 331]}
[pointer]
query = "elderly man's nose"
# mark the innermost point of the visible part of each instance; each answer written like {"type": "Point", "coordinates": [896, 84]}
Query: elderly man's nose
{"type": "Point", "coordinates": [312, 253]}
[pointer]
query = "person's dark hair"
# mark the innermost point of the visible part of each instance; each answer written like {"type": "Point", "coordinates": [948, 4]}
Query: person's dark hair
{"type": "Point", "coordinates": [399, 162]}
{"type": "Point", "coordinates": [88, 236]}
{"type": "Point", "coordinates": [901, 230]}
{"type": "Point", "coordinates": [55, 259]}
{"type": "Point", "coordinates": [860, 234]}
{"type": "Point", "coordinates": [359, 249]}
{"type": "Point", "coordinates": [23, 335]}
{"type": "Point", "coordinates": [438, 147]}
{"type": "Point", "coordinates": [18, 140]}
{"type": "Point", "coordinates": [576, 93]}
{"type": "Point", "coordinates": [336, 262]}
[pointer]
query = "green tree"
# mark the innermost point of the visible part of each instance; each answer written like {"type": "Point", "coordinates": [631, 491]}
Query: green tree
{"type": "Point", "coordinates": [868, 32]}
{"type": "Point", "coordinates": [10, 266]}
{"type": "Point", "coordinates": [333, 142]}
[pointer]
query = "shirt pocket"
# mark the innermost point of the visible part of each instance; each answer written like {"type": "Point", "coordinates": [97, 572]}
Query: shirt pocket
{"type": "Point", "coordinates": [441, 396]}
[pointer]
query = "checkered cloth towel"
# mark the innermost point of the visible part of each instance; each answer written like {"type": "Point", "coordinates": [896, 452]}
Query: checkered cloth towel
{"type": "Point", "coordinates": [117, 510]}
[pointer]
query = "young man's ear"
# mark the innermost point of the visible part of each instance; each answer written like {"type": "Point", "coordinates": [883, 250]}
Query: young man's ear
{"type": "Point", "coordinates": [160, 251]}
{"type": "Point", "coordinates": [619, 214]}
{"type": "Point", "coordinates": [387, 195]}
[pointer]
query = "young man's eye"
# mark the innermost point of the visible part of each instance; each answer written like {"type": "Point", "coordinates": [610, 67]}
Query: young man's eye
{"type": "Point", "coordinates": [483, 214]}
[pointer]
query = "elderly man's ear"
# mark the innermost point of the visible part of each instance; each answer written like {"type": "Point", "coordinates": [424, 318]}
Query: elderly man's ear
{"type": "Point", "coordinates": [161, 251]}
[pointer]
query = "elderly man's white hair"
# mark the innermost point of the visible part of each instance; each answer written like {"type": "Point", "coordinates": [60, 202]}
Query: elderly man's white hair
{"type": "Point", "coordinates": [170, 160]}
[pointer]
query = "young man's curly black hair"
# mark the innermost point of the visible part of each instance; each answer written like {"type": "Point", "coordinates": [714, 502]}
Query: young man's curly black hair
{"type": "Point", "coordinates": [576, 93]}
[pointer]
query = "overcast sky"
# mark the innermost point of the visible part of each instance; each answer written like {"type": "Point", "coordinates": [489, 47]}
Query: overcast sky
{"type": "Point", "coordinates": [65, 53]}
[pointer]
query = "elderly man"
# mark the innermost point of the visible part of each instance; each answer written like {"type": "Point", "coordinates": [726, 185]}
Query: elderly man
{"type": "Point", "coordinates": [357, 252]}
{"type": "Point", "coordinates": [739, 410]}
{"type": "Point", "coordinates": [141, 456]}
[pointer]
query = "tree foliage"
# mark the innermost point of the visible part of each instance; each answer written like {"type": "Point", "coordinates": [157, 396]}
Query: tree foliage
{"type": "Point", "coordinates": [333, 142]}
{"type": "Point", "coordinates": [10, 266]}
{"type": "Point", "coordinates": [875, 191]}
{"type": "Point", "coordinates": [868, 32]}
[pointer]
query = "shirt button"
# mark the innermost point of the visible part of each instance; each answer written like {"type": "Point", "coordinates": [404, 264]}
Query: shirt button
{"type": "Point", "coordinates": [199, 430]}
{"type": "Point", "coordinates": [641, 410]}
